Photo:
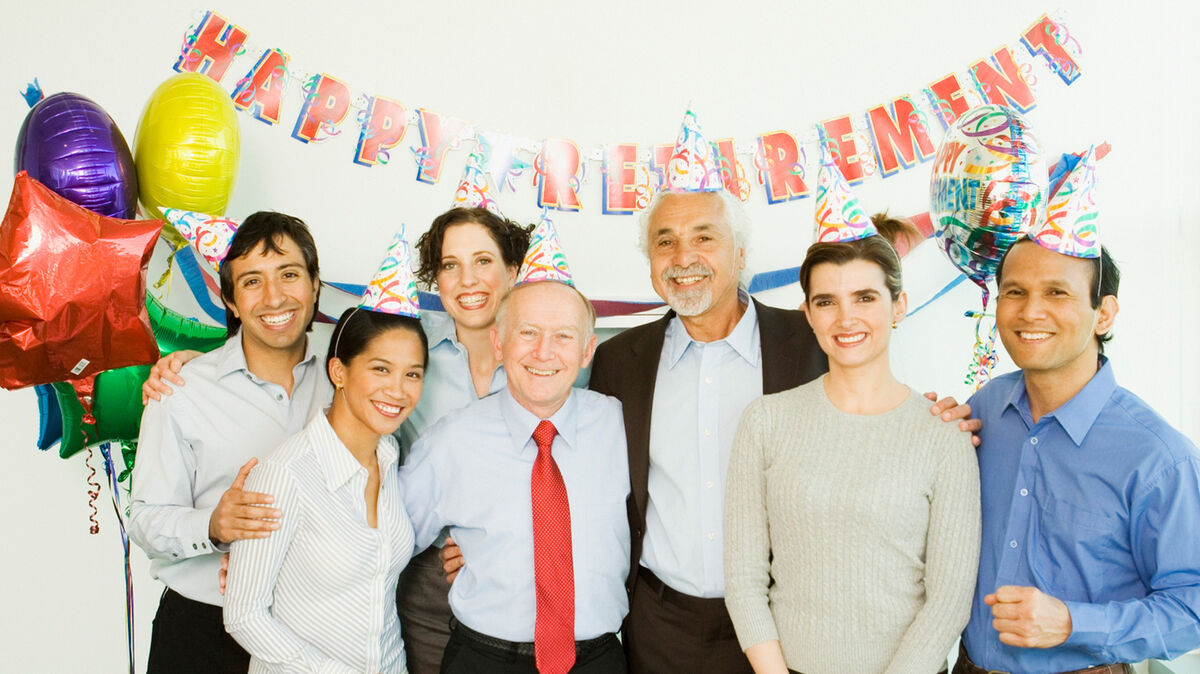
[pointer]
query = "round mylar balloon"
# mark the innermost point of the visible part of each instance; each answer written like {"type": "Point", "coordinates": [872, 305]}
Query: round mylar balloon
{"type": "Point", "coordinates": [70, 144]}
{"type": "Point", "coordinates": [187, 147]}
{"type": "Point", "coordinates": [988, 187]}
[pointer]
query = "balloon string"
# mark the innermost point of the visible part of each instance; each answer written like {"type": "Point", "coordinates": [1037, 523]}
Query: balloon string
{"type": "Point", "coordinates": [93, 491]}
{"type": "Point", "coordinates": [106, 450]}
{"type": "Point", "coordinates": [984, 358]}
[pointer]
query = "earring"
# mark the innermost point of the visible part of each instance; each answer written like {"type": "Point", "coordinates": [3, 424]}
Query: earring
{"type": "Point", "coordinates": [894, 325]}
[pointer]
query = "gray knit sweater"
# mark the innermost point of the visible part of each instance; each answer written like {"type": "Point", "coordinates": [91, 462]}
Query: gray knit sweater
{"type": "Point", "coordinates": [869, 526]}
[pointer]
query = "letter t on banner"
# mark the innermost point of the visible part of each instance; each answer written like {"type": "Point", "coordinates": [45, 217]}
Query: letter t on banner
{"type": "Point", "coordinates": [556, 175]}
{"type": "Point", "coordinates": [383, 127]}
{"type": "Point", "coordinates": [214, 44]}
{"type": "Point", "coordinates": [325, 107]}
{"type": "Point", "coordinates": [1049, 39]}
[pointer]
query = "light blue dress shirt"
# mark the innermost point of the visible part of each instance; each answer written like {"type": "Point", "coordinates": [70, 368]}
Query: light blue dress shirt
{"type": "Point", "coordinates": [192, 444]}
{"type": "Point", "coordinates": [471, 472]}
{"type": "Point", "coordinates": [1097, 504]}
{"type": "Point", "coordinates": [699, 395]}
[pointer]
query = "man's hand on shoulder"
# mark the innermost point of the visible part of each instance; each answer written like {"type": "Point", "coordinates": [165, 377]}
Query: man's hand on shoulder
{"type": "Point", "coordinates": [949, 410]}
{"type": "Point", "coordinates": [1026, 617]}
{"type": "Point", "coordinates": [165, 372]}
{"type": "Point", "coordinates": [452, 560]}
{"type": "Point", "coordinates": [238, 514]}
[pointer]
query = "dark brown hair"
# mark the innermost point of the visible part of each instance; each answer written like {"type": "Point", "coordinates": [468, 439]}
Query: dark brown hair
{"type": "Point", "coordinates": [878, 249]}
{"type": "Point", "coordinates": [270, 229]}
{"type": "Point", "coordinates": [357, 327]}
{"type": "Point", "coordinates": [511, 238]}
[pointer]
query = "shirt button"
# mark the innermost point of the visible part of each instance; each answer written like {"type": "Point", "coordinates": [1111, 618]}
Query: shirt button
{"type": "Point", "coordinates": [1033, 441]}
{"type": "Point", "coordinates": [1024, 492]}
{"type": "Point", "coordinates": [1012, 544]}
{"type": "Point", "coordinates": [708, 431]}
{"type": "Point", "coordinates": [195, 547]}
{"type": "Point", "coordinates": [709, 484]}
{"type": "Point", "coordinates": [279, 397]}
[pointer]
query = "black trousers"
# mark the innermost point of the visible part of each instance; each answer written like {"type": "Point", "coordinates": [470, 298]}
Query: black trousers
{"type": "Point", "coordinates": [465, 656]}
{"type": "Point", "coordinates": [189, 636]}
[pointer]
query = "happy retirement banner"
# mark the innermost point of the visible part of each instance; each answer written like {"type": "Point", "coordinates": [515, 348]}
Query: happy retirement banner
{"type": "Point", "coordinates": [879, 142]}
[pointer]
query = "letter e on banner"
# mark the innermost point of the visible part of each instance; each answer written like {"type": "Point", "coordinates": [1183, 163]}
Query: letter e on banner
{"type": "Point", "coordinates": [438, 134]}
{"type": "Point", "coordinates": [946, 97]}
{"type": "Point", "coordinates": [1046, 38]}
{"type": "Point", "coordinates": [620, 188]}
{"type": "Point", "coordinates": [556, 168]}
{"type": "Point", "coordinates": [1002, 83]}
{"type": "Point", "coordinates": [780, 177]}
{"type": "Point", "coordinates": [217, 42]}
{"type": "Point", "coordinates": [383, 129]}
{"type": "Point", "coordinates": [324, 108]}
{"type": "Point", "coordinates": [840, 130]}
{"type": "Point", "coordinates": [261, 90]}
{"type": "Point", "coordinates": [899, 134]}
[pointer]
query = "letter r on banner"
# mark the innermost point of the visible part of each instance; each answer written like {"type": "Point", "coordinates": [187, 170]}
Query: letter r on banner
{"type": "Point", "coordinates": [216, 43]}
{"type": "Point", "coordinates": [384, 127]}
{"type": "Point", "coordinates": [780, 157]}
{"type": "Point", "coordinates": [324, 108]}
{"type": "Point", "coordinates": [620, 188]}
{"type": "Point", "coordinates": [556, 168]}
{"type": "Point", "coordinates": [260, 91]}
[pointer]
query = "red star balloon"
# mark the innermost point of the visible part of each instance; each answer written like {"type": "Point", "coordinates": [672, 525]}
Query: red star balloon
{"type": "Point", "coordinates": [72, 289]}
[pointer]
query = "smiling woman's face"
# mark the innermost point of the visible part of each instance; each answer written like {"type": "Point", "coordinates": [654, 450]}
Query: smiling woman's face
{"type": "Point", "coordinates": [471, 277]}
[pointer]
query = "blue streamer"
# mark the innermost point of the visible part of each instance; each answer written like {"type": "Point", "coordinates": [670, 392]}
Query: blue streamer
{"type": "Point", "coordinates": [194, 275]}
{"type": "Point", "coordinates": [106, 450]}
{"type": "Point", "coordinates": [33, 93]}
{"type": "Point", "coordinates": [957, 280]}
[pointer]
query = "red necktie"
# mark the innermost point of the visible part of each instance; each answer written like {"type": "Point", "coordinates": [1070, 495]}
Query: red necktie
{"type": "Point", "coordinates": [553, 570]}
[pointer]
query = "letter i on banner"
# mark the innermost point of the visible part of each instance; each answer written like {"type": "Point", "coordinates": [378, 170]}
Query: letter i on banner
{"type": "Point", "coordinates": [1000, 81]}
{"type": "Point", "coordinates": [438, 135]}
{"type": "Point", "coordinates": [556, 175]}
{"type": "Point", "coordinates": [732, 173]}
{"type": "Point", "coordinates": [1049, 39]}
{"type": "Point", "coordinates": [900, 135]}
{"type": "Point", "coordinates": [782, 168]}
{"type": "Point", "coordinates": [383, 126]}
{"type": "Point", "coordinates": [325, 107]}
{"type": "Point", "coordinates": [620, 174]}
{"type": "Point", "coordinates": [214, 44]}
{"type": "Point", "coordinates": [840, 132]}
{"type": "Point", "coordinates": [946, 97]}
{"type": "Point", "coordinates": [260, 92]}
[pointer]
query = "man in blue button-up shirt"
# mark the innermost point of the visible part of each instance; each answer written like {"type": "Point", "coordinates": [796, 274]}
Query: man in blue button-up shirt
{"type": "Point", "coordinates": [1091, 501]}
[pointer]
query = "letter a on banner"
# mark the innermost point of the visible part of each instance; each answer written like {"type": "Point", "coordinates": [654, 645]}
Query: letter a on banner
{"type": "Point", "coordinates": [556, 175]}
{"type": "Point", "coordinates": [325, 107]}
{"type": "Point", "coordinates": [214, 44]}
{"type": "Point", "coordinates": [781, 156]}
{"type": "Point", "coordinates": [261, 90]}
{"type": "Point", "coordinates": [385, 122]}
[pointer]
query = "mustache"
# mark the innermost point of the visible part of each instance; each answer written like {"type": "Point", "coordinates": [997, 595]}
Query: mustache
{"type": "Point", "coordinates": [693, 269]}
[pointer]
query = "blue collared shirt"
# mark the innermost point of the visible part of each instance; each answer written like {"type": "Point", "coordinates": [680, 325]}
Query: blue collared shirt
{"type": "Point", "coordinates": [699, 394]}
{"type": "Point", "coordinates": [471, 472]}
{"type": "Point", "coordinates": [1097, 504]}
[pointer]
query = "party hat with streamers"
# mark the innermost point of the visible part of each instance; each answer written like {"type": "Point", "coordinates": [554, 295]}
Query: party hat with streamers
{"type": "Point", "coordinates": [393, 290]}
{"type": "Point", "coordinates": [694, 165]}
{"type": "Point", "coordinates": [838, 215]}
{"type": "Point", "coordinates": [1072, 213]}
{"type": "Point", "coordinates": [544, 261]}
{"type": "Point", "coordinates": [212, 235]}
{"type": "Point", "coordinates": [475, 188]}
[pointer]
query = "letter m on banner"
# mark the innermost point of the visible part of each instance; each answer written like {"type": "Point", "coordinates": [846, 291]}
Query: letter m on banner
{"type": "Point", "coordinates": [211, 48]}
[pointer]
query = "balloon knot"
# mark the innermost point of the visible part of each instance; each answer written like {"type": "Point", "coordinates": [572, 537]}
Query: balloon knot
{"type": "Point", "coordinates": [33, 93]}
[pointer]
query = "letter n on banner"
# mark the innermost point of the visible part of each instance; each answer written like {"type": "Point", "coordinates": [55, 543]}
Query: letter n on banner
{"type": "Point", "coordinates": [383, 127]}
{"type": "Point", "coordinates": [556, 174]}
{"type": "Point", "coordinates": [325, 107]}
{"type": "Point", "coordinates": [900, 136]}
{"type": "Point", "coordinates": [260, 91]}
{"type": "Point", "coordinates": [620, 174]}
{"type": "Point", "coordinates": [215, 43]}
{"type": "Point", "coordinates": [840, 131]}
{"type": "Point", "coordinates": [1002, 83]}
{"type": "Point", "coordinates": [438, 134]}
{"type": "Point", "coordinates": [946, 97]}
{"type": "Point", "coordinates": [781, 156]}
{"type": "Point", "coordinates": [1047, 38]}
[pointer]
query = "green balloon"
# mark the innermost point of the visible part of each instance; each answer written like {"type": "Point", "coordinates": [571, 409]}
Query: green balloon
{"type": "Point", "coordinates": [117, 400]}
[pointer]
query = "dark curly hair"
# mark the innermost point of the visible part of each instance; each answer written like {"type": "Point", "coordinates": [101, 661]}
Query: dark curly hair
{"type": "Point", "coordinates": [511, 238]}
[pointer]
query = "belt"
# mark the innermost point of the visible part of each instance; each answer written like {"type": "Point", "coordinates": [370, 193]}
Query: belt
{"type": "Point", "coordinates": [966, 666]}
{"type": "Point", "coordinates": [522, 648]}
{"type": "Point", "coordinates": [669, 594]}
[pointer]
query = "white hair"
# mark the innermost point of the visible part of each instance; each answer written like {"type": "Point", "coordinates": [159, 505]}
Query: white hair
{"type": "Point", "coordinates": [739, 223]}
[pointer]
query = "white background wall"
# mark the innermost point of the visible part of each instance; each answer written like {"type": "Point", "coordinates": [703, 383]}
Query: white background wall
{"type": "Point", "coordinates": [604, 72]}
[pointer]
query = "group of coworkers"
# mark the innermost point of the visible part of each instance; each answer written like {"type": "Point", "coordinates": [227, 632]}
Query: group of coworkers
{"type": "Point", "coordinates": [738, 488]}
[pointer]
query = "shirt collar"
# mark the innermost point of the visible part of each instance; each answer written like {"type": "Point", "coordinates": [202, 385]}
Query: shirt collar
{"type": "Point", "coordinates": [232, 358]}
{"type": "Point", "coordinates": [338, 465]}
{"type": "Point", "coordinates": [439, 327]}
{"type": "Point", "coordinates": [1077, 415]}
{"type": "Point", "coordinates": [521, 422]}
{"type": "Point", "coordinates": [743, 339]}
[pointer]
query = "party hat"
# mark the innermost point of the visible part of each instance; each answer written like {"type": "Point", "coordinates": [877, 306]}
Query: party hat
{"type": "Point", "coordinates": [394, 289]}
{"type": "Point", "coordinates": [211, 235]}
{"type": "Point", "coordinates": [475, 188]}
{"type": "Point", "coordinates": [694, 165]}
{"type": "Point", "coordinates": [838, 215]}
{"type": "Point", "coordinates": [1072, 213]}
{"type": "Point", "coordinates": [544, 261]}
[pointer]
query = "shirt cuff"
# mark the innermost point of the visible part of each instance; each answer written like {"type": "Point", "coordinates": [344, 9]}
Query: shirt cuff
{"type": "Point", "coordinates": [1089, 626]}
{"type": "Point", "coordinates": [200, 544]}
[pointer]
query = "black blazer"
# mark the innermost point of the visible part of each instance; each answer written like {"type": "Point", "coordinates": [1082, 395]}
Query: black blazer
{"type": "Point", "coordinates": [626, 367]}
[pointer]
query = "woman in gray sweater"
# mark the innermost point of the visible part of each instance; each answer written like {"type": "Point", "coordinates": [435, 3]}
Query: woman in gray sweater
{"type": "Point", "coordinates": [860, 505]}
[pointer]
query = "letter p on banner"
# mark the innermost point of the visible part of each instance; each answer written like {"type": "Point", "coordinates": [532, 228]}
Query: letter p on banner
{"type": "Point", "coordinates": [325, 107]}
{"type": "Point", "coordinates": [212, 48]}
{"type": "Point", "coordinates": [383, 128]}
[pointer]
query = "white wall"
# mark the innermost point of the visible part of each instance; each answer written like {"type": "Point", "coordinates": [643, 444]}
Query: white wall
{"type": "Point", "coordinates": [604, 72]}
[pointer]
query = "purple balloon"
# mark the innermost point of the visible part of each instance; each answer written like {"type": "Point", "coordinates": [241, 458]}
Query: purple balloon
{"type": "Point", "coordinates": [71, 145]}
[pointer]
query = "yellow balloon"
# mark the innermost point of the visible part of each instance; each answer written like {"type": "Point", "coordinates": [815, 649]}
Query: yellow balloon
{"type": "Point", "coordinates": [187, 146]}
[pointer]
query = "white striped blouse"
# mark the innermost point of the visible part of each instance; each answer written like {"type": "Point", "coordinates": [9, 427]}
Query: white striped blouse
{"type": "Point", "coordinates": [319, 595]}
